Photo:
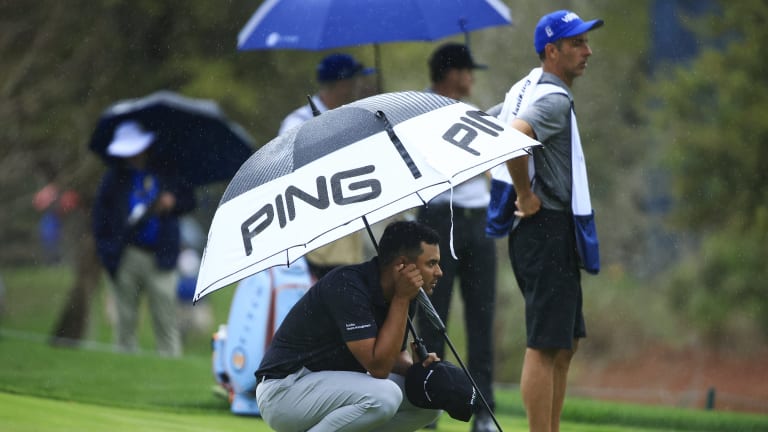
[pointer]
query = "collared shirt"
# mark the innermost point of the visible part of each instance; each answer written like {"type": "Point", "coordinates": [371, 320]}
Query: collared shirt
{"type": "Point", "coordinates": [346, 305]}
{"type": "Point", "coordinates": [550, 119]}
{"type": "Point", "coordinates": [301, 114]}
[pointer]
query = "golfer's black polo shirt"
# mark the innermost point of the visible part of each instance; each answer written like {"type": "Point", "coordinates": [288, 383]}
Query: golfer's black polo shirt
{"type": "Point", "coordinates": [346, 305]}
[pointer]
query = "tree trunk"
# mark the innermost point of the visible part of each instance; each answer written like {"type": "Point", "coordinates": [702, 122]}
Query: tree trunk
{"type": "Point", "coordinates": [73, 318]}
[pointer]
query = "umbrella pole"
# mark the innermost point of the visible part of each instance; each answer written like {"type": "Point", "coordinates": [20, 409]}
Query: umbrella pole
{"type": "Point", "coordinates": [434, 318]}
{"type": "Point", "coordinates": [315, 112]}
{"type": "Point", "coordinates": [370, 234]}
{"type": "Point", "coordinates": [418, 342]}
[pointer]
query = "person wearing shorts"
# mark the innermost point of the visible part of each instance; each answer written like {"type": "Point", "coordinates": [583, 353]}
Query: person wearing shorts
{"type": "Point", "coordinates": [542, 246]}
{"type": "Point", "coordinates": [548, 274]}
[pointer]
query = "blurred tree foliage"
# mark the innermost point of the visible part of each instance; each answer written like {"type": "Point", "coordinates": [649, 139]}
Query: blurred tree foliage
{"type": "Point", "coordinates": [713, 113]}
{"type": "Point", "coordinates": [62, 64]}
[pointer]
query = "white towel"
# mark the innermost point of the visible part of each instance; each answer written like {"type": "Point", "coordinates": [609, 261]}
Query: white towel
{"type": "Point", "coordinates": [517, 98]}
{"type": "Point", "coordinates": [500, 213]}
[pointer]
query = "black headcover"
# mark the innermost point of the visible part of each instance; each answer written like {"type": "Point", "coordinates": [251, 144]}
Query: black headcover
{"type": "Point", "coordinates": [441, 385]}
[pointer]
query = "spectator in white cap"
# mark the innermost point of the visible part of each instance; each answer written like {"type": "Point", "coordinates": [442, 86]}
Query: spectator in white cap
{"type": "Point", "coordinates": [136, 227]}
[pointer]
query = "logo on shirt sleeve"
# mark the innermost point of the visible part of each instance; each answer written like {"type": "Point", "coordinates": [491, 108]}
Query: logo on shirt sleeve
{"type": "Point", "coordinates": [353, 326]}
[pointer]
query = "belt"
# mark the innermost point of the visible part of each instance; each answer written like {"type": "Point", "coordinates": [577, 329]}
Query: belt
{"type": "Point", "coordinates": [264, 377]}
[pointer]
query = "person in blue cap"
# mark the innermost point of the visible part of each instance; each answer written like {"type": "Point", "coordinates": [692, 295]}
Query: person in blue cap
{"type": "Point", "coordinates": [550, 186]}
{"type": "Point", "coordinates": [341, 80]}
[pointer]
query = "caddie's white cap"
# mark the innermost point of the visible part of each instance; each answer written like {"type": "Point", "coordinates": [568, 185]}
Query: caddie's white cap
{"type": "Point", "coordinates": [130, 139]}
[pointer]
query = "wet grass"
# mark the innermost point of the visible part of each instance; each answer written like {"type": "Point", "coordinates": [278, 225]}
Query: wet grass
{"type": "Point", "coordinates": [93, 388]}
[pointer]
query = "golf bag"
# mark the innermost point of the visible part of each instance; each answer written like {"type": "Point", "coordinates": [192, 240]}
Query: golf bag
{"type": "Point", "coordinates": [259, 305]}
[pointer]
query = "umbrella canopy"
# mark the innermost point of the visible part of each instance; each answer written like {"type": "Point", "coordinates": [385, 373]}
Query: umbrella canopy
{"type": "Point", "coordinates": [370, 159]}
{"type": "Point", "coordinates": [194, 139]}
{"type": "Point", "coordinates": [326, 24]}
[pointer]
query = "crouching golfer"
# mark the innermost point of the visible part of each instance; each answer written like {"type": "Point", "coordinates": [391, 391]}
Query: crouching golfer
{"type": "Point", "coordinates": [338, 360]}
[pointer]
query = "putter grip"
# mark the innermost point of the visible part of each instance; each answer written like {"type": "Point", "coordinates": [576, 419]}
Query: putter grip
{"type": "Point", "coordinates": [421, 349]}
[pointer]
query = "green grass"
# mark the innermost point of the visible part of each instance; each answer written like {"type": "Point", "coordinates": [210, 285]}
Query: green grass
{"type": "Point", "coordinates": [34, 414]}
{"type": "Point", "coordinates": [43, 388]}
{"type": "Point", "coordinates": [86, 389]}
{"type": "Point", "coordinates": [35, 296]}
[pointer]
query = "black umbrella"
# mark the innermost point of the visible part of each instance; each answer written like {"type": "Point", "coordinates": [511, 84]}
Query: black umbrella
{"type": "Point", "coordinates": [195, 140]}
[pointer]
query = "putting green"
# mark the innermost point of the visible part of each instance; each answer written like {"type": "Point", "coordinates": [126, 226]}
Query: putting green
{"type": "Point", "coordinates": [31, 414]}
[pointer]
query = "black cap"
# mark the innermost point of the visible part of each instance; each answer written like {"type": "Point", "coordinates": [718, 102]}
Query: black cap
{"type": "Point", "coordinates": [441, 385]}
{"type": "Point", "coordinates": [451, 55]}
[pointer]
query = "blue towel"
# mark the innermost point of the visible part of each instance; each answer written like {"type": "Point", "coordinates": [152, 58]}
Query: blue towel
{"type": "Point", "coordinates": [501, 210]}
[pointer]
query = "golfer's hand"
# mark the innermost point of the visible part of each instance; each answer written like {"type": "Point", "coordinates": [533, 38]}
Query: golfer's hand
{"type": "Point", "coordinates": [527, 205]}
{"type": "Point", "coordinates": [432, 357]}
{"type": "Point", "coordinates": [408, 280]}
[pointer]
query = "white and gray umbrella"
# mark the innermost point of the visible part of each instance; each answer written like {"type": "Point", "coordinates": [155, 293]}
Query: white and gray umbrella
{"type": "Point", "coordinates": [336, 173]}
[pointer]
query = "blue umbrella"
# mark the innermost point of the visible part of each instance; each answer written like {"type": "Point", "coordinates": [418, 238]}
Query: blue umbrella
{"type": "Point", "coordinates": [195, 140]}
{"type": "Point", "coordinates": [326, 24]}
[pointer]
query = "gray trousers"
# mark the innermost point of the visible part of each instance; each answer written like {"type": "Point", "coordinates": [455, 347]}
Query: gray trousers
{"type": "Point", "coordinates": [339, 401]}
{"type": "Point", "coordinates": [138, 273]}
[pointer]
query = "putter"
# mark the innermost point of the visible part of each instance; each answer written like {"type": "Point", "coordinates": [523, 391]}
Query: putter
{"type": "Point", "coordinates": [434, 318]}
